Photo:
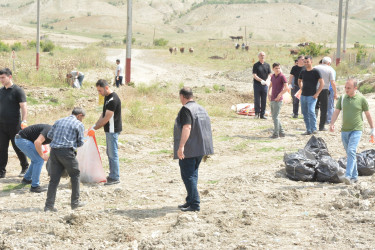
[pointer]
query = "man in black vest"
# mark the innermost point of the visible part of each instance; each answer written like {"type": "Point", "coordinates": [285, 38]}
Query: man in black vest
{"type": "Point", "coordinates": [192, 140]}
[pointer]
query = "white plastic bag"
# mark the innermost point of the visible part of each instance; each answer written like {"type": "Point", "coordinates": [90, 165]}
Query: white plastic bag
{"type": "Point", "coordinates": [76, 84]}
{"type": "Point", "coordinates": [90, 163]}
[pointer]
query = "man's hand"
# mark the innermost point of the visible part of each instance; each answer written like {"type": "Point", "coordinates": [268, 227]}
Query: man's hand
{"type": "Point", "coordinates": [372, 133]}
{"type": "Point", "coordinates": [268, 82]}
{"type": "Point", "coordinates": [316, 96]}
{"type": "Point", "coordinates": [263, 82]}
{"type": "Point", "coordinates": [45, 157]}
{"type": "Point", "coordinates": [180, 153]}
{"type": "Point", "coordinates": [332, 127]}
{"type": "Point", "coordinates": [335, 96]}
{"type": "Point", "coordinates": [269, 97]}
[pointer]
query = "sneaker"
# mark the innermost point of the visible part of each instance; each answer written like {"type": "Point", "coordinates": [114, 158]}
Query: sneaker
{"type": "Point", "coordinates": [263, 117]}
{"type": "Point", "coordinates": [323, 129]}
{"type": "Point", "coordinates": [345, 180]}
{"type": "Point", "coordinates": [274, 136]}
{"type": "Point", "coordinates": [190, 209]}
{"type": "Point", "coordinates": [256, 116]}
{"type": "Point", "coordinates": [295, 116]}
{"type": "Point", "coordinates": [306, 133]}
{"type": "Point", "coordinates": [25, 182]}
{"type": "Point", "coordinates": [23, 172]}
{"type": "Point", "coordinates": [50, 209]}
{"type": "Point", "coordinates": [186, 205]}
{"type": "Point", "coordinates": [37, 189]}
{"type": "Point", "coordinates": [282, 134]}
{"type": "Point", "coordinates": [111, 181]}
{"type": "Point", "coordinates": [80, 204]}
{"type": "Point", "coordinates": [315, 132]}
{"type": "Point", "coordinates": [354, 181]}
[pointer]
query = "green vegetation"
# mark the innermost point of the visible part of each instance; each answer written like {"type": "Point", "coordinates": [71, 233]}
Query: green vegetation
{"type": "Point", "coordinates": [314, 50]}
{"type": "Point", "coordinates": [12, 187]}
{"type": "Point", "coordinates": [162, 151]}
{"type": "Point", "coordinates": [124, 40]}
{"type": "Point", "coordinates": [160, 42]}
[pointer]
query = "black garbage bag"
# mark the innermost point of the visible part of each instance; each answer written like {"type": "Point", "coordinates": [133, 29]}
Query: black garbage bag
{"type": "Point", "coordinates": [329, 170]}
{"type": "Point", "coordinates": [342, 162]}
{"type": "Point", "coordinates": [317, 147]}
{"type": "Point", "coordinates": [300, 166]}
{"type": "Point", "coordinates": [365, 162]}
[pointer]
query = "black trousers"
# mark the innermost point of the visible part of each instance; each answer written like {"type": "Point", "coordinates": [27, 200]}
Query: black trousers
{"type": "Point", "coordinates": [60, 159]}
{"type": "Point", "coordinates": [295, 100]}
{"type": "Point", "coordinates": [260, 98]}
{"type": "Point", "coordinates": [7, 133]}
{"type": "Point", "coordinates": [322, 104]}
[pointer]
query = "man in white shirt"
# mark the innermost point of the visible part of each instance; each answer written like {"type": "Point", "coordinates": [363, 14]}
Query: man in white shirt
{"type": "Point", "coordinates": [119, 73]}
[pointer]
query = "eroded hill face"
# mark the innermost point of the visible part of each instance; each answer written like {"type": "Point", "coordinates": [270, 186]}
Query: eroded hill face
{"type": "Point", "coordinates": [182, 21]}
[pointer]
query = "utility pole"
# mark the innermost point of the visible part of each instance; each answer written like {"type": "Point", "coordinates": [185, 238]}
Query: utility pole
{"type": "Point", "coordinates": [345, 25]}
{"type": "Point", "coordinates": [128, 43]}
{"type": "Point", "coordinates": [37, 35]}
{"type": "Point", "coordinates": [339, 34]}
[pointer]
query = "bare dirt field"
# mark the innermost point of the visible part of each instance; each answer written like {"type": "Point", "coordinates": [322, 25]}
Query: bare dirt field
{"type": "Point", "coordinates": [247, 202]}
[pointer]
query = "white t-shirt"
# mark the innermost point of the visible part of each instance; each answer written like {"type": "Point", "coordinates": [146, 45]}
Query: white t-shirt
{"type": "Point", "coordinates": [121, 68]}
{"type": "Point", "coordinates": [327, 74]}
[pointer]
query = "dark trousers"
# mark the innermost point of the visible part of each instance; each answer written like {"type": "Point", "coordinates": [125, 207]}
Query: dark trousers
{"type": "Point", "coordinates": [189, 174]}
{"type": "Point", "coordinates": [295, 100]}
{"type": "Point", "coordinates": [260, 98]}
{"type": "Point", "coordinates": [60, 159]}
{"type": "Point", "coordinates": [7, 133]}
{"type": "Point", "coordinates": [119, 81]}
{"type": "Point", "coordinates": [322, 104]}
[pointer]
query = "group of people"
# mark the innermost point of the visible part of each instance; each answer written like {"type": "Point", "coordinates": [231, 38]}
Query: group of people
{"type": "Point", "coordinates": [315, 89]}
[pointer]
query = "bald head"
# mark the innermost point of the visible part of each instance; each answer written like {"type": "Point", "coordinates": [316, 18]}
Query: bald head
{"type": "Point", "coordinates": [351, 87]}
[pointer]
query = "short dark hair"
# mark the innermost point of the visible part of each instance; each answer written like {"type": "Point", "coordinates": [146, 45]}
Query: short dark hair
{"type": "Point", "coordinates": [102, 83]}
{"type": "Point", "coordinates": [301, 56]}
{"type": "Point", "coordinates": [308, 57]}
{"type": "Point", "coordinates": [295, 61]}
{"type": "Point", "coordinates": [275, 64]}
{"type": "Point", "coordinates": [321, 61]}
{"type": "Point", "coordinates": [5, 71]}
{"type": "Point", "coordinates": [186, 92]}
{"type": "Point", "coordinates": [117, 60]}
{"type": "Point", "coordinates": [78, 111]}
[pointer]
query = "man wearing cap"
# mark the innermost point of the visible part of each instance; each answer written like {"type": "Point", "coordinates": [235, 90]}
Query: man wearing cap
{"type": "Point", "coordinates": [329, 79]}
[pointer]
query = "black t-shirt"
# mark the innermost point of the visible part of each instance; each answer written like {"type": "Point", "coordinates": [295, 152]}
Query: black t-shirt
{"type": "Point", "coordinates": [296, 70]}
{"type": "Point", "coordinates": [113, 103]}
{"type": "Point", "coordinates": [32, 132]}
{"type": "Point", "coordinates": [261, 70]}
{"type": "Point", "coordinates": [309, 81]}
{"type": "Point", "coordinates": [185, 116]}
{"type": "Point", "coordinates": [10, 100]}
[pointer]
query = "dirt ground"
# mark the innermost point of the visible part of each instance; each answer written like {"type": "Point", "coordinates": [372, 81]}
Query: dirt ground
{"type": "Point", "coordinates": [246, 200]}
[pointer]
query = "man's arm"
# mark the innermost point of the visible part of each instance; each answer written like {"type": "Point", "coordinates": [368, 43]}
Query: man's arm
{"type": "Point", "coordinates": [333, 84]}
{"type": "Point", "coordinates": [80, 135]}
{"type": "Point", "coordinates": [321, 85]}
{"type": "Point", "coordinates": [23, 106]}
{"type": "Point", "coordinates": [285, 89]}
{"type": "Point", "coordinates": [38, 146]}
{"type": "Point", "coordinates": [186, 129]}
{"type": "Point", "coordinates": [256, 77]}
{"type": "Point", "coordinates": [333, 120]}
{"type": "Point", "coordinates": [300, 83]}
{"type": "Point", "coordinates": [103, 120]}
{"type": "Point", "coordinates": [270, 91]}
{"type": "Point", "coordinates": [369, 119]}
{"type": "Point", "coordinates": [290, 79]}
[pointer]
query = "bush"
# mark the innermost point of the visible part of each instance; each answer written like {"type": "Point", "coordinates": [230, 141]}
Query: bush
{"type": "Point", "coordinates": [31, 44]}
{"type": "Point", "coordinates": [124, 40]}
{"type": "Point", "coordinates": [366, 88]}
{"type": "Point", "coordinates": [160, 42]}
{"type": "Point", "coordinates": [314, 49]}
{"type": "Point", "coordinates": [4, 47]}
{"type": "Point", "coordinates": [17, 46]}
{"type": "Point", "coordinates": [361, 53]}
{"type": "Point", "coordinates": [107, 35]}
{"type": "Point", "coordinates": [47, 46]}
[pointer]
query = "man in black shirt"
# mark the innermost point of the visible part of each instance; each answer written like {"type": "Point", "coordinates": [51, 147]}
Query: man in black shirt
{"type": "Point", "coordinates": [308, 81]}
{"type": "Point", "coordinates": [111, 120]}
{"type": "Point", "coordinates": [12, 99]}
{"type": "Point", "coordinates": [262, 79]}
{"type": "Point", "coordinates": [293, 80]}
{"type": "Point", "coordinates": [30, 141]}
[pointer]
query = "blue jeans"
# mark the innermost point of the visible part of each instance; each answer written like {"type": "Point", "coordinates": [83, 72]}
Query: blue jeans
{"type": "Point", "coordinates": [189, 174]}
{"type": "Point", "coordinates": [80, 79]}
{"type": "Point", "coordinates": [308, 110]}
{"type": "Point", "coordinates": [331, 106]}
{"type": "Point", "coordinates": [119, 81]}
{"type": "Point", "coordinates": [112, 152]}
{"type": "Point", "coordinates": [35, 168]}
{"type": "Point", "coordinates": [350, 140]}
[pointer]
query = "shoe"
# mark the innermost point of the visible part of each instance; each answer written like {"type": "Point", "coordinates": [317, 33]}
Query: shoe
{"type": "Point", "coordinates": [295, 116]}
{"type": "Point", "coordinates": [23, 172]}
{"type": "Point", "coordinates": [80, 204]}
{"type": "Point", "coordinates": [50, 209]}
{"type": "Point", "coordinates": [274, 136]}
{"type": "Point", "coordinates": [354, 181]}
{"type": "Point", "coordinates": [263, 117]}
{"type": "Point", "coordinates": [306, 133]}
{"type": "Point", "coordinates": [345, 180]}
{"type": "Point", "coordinates": [25, 182]}
{"type": "Point", "coordinates": [323, 129]}
{"type": "Point", "coordinates": [183, 206]}
{"type": "Point", "coordinates": [2, 175]}
{"type": "Point", "coordinates": [315, 132]}
{"type": "Point", "coordinates": [37, 189]}
{"type": "Point", "coordinates": [111, 181]}
{"type": "Point", "coordinates": [282, 134]}
{"type": "Point", "coordinates": [256, 116]}
{"type": "Point", "coordinates": [190, 209]}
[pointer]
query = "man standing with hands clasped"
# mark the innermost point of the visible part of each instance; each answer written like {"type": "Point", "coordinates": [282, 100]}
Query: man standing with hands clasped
{"type": "Point", "coordinates": [112, 123]}
{"type": "Point", "coordinates": [352, 104]}
{"type": "Point", "coordinates": [192, 140]}
{"type": "Point", "coordinates": [262, 78]}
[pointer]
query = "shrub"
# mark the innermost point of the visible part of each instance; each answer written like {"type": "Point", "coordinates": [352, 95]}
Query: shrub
{"type": "Point", "coordinates": [4, 47]}
{"type": "Point", "coordinates": [17, 46]}
{"type": "Point", "coordinates": [361, 53]}
{"type": "Point", "coordinates": [314, 49]}
{"type": "Point", "coordinates": [107, 35]}
{"type": "Point", "coordinates": [366, 88]}
{"type": "Point", "coordinates": [160, 42]}
{"type": "Point", "coordinates": [47, 46]}
{"type": "Point", "coordinates": [124, 40]}
{"type": "Point", "coordinates": [31, 44]}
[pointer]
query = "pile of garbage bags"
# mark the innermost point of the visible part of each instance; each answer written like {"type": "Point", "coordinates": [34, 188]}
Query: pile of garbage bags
{"type": "Point", "coordinates": [314, 163]}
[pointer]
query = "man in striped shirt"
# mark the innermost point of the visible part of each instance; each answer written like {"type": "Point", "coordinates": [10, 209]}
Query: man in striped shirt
{"type": "Point", "coordinates": [111, 121]}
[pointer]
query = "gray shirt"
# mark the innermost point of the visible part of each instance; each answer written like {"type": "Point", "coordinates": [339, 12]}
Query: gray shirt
{"type": "Point", "coordinates": [327, 74]}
